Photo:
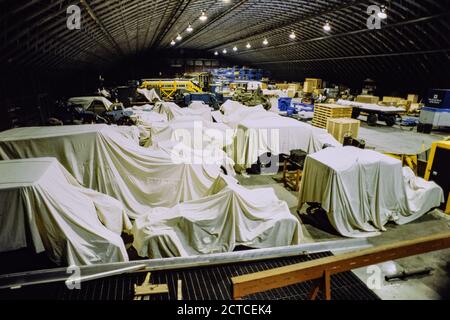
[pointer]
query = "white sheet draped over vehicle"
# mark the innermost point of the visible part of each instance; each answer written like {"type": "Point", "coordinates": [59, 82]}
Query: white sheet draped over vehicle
{"type": "Point", "coordinates": [101, 158]}
{"type": "Point", "coordinates": [259, 132]}
{"type": "Point", "coordinates": [40, 198]}
{"type": "Point", "coordinates": [362, 190]}
{"type": "Point", "coordinates": [173, 111]}
{"type": "Point", "coordinates": [150, 95]}
{"type": "Point", "coordinates": [230, 216]}
{"type": "Point", "coordinates": [194, 132]}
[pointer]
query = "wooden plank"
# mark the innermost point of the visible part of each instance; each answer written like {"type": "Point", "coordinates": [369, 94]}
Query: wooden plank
{"type": "Point", "coordinates": [289, 275]}
{"type": "Point", "coordinates": [180, 290]}
{"type": "Point", "coordinates": [146, 289]}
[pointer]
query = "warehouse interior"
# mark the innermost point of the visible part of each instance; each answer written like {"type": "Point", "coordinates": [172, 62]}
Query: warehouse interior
{"type": "Point", "coordinates": [224, 149]}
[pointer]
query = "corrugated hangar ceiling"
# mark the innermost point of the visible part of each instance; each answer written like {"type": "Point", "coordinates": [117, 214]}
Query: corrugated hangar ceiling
{"type": "Point", "coordinates": [413, 39]}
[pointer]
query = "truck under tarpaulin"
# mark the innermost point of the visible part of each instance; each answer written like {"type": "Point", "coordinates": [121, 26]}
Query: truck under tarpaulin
{"type": "Point", "coordinates": [102, 158]}
{"type": "Point", "coordinates": [362, 190]}
{"type": "Point", "coordinates": [72, 224]}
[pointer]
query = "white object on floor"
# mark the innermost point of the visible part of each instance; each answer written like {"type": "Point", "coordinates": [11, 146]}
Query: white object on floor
{"type": "Point", "coordinates": [230, 216]}
{"type": "Point", "coordinates": [362, 190]}
{"type": "Point", "coordinates": [173, 111]}
{"type": "Point", "coordinates": [259, 132]}
{"type": "Point", "coordinates": [150, 95]}
{"type": "Point", "coordinates": [63, 219]}
{"type": "Point", "coordinates": [103, 159]}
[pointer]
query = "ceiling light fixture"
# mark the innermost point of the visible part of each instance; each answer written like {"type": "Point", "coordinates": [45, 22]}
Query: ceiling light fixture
{"type": "Point", "coordinates": [327, 27]}
{"type": "Point", "coordinates": [172, 43]}
{"type": "Point", "coordinates": [248, 46]}
{"type": "Point", "coordinates": [216, 53]}
{"type": "Point", "coordinates": [203, 17]}
{"type": "Point", "coordinates": [224, 51]}
{"type": "Point", "coordinates": [292, 35]}
{"type": "Point", "coordinates": [235, 49]}
{"type": "Point", "coordinates": [265, 42]}
{"type": "Point", "coordinates": [189, 28]}
{"type": "Point", "coordinates": [382, 14]}
{"type": "Point", "coordinates": [179, 37]}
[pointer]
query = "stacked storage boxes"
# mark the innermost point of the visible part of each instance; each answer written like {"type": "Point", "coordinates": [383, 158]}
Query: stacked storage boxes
{"type": "Point", "coordinates": [312, 84]}
{"type": "Point", "coordinates": [342, 127]}
{"type": "Point", "coordinates": [323, 112]}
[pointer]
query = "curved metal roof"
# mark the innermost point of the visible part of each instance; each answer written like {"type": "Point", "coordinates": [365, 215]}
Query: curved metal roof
{"type": "Point", "coordinates": [413, 40]}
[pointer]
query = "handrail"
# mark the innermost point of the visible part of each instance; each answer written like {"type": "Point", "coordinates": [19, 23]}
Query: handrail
{"type": "Point", "coordinates": [323, 268]}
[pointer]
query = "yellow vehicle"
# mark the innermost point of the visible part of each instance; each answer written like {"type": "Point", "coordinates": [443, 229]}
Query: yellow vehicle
{"type": "Point", "coordinates": [169, 87]}
{"type": "Point", "coordinates": [203, 79]}
{"type": "Point", "coordinates": [438, 169]}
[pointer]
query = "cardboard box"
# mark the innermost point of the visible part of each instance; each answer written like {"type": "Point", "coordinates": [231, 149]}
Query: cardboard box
{"type": "Point", "coordinates": [367, 99]}
{"type": "Point", "coordinates": [282, 86]}
{"type": "Point", "coordinates": [339, 128]}
{"type": "Point", "coordinates": [316, 83]}
{"type": "Point", "coordinates": [413, 98]}
{"type": "Point", "coordinates": [393, 100]}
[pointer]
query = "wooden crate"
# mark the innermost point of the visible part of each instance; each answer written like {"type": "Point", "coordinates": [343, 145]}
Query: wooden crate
{"type": "Point", "coordinates": [323, 112]}
{"type": "Point", "coordinates": [316, 83]}
{"type": "Point", "coordinates": [414, 98]}
{"type": "Point", "coordinates": [341, 127]}
{"type": "Point", "coordinates": [392, 100]}
{"type": "Point", "coordinates": [367, 99]}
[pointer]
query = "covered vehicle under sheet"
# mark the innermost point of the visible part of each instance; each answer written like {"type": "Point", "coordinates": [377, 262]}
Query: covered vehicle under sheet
{"type": "Point", "coordinates": [259, 132]}
{"type": "Point", "coordinates": [194, 132]}
{"type": "Point", "coordinates": [103, 159]}
{"type": "Point", "coordinates": [362, 190]}
{"type": "Point", "coordinates": [230, 216]}
{"type": "Point", "coordinates": [173, 111]}
{"type": "Point", "coordinates": [44, 207]}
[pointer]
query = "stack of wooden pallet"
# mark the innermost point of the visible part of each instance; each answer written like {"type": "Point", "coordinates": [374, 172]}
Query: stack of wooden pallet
{"type": "Point", "coordinates": [323, 112]}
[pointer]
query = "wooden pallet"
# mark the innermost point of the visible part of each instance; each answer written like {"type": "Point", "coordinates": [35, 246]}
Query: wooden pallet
{"type": "Point", "coordinates": [323, 112]}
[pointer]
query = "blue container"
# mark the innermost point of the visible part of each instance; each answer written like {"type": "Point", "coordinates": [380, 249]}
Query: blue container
{"type": "Point", "coordinates": [284, 103]}
{"type": "Point", "coordinates": [291, 110]}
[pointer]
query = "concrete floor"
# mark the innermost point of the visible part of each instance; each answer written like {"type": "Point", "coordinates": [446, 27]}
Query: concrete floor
{"type": "Point", "coordinates": [316, 228]}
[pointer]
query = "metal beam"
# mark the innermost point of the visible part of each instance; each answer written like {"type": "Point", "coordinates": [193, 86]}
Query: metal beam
{"type": "Point", "coordinates": [316, 269]}
{"type": "Point", "coordinates": [382, 55]}
{"type": "Point", "coordinates": [60, 274]}
{"type": "Point", "coordinates": [287, 24]}
{"type": "Point", "coordinates": [101, 26]}
{"type": "Point", "coordinates": [212, 21]}
{"type": "Point", "coordinates": [175, 16]}
{"type": "Point", "coordinates": [354, 32]}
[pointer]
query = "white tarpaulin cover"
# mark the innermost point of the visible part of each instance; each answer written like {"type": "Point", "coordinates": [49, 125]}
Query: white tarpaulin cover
{"type": "Point", "coordinates": [150, 95]}
{"type": "Point", "coordinates": [172, 111]}
{"type": "Point", "coordinates": [362, 190]}
{"type": "Point", "coordinates": [40, 198]}
{"type": "Point", "coordinates": [86, 102]}
{"type": "Point", "coordinates": [231, 216]}
{"type": "Point", "coordinates": [259, 131]}
{"type": "Point", "coordinates": [194, 132]}
{"type": "Point", "coordinates": [101, 158]}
